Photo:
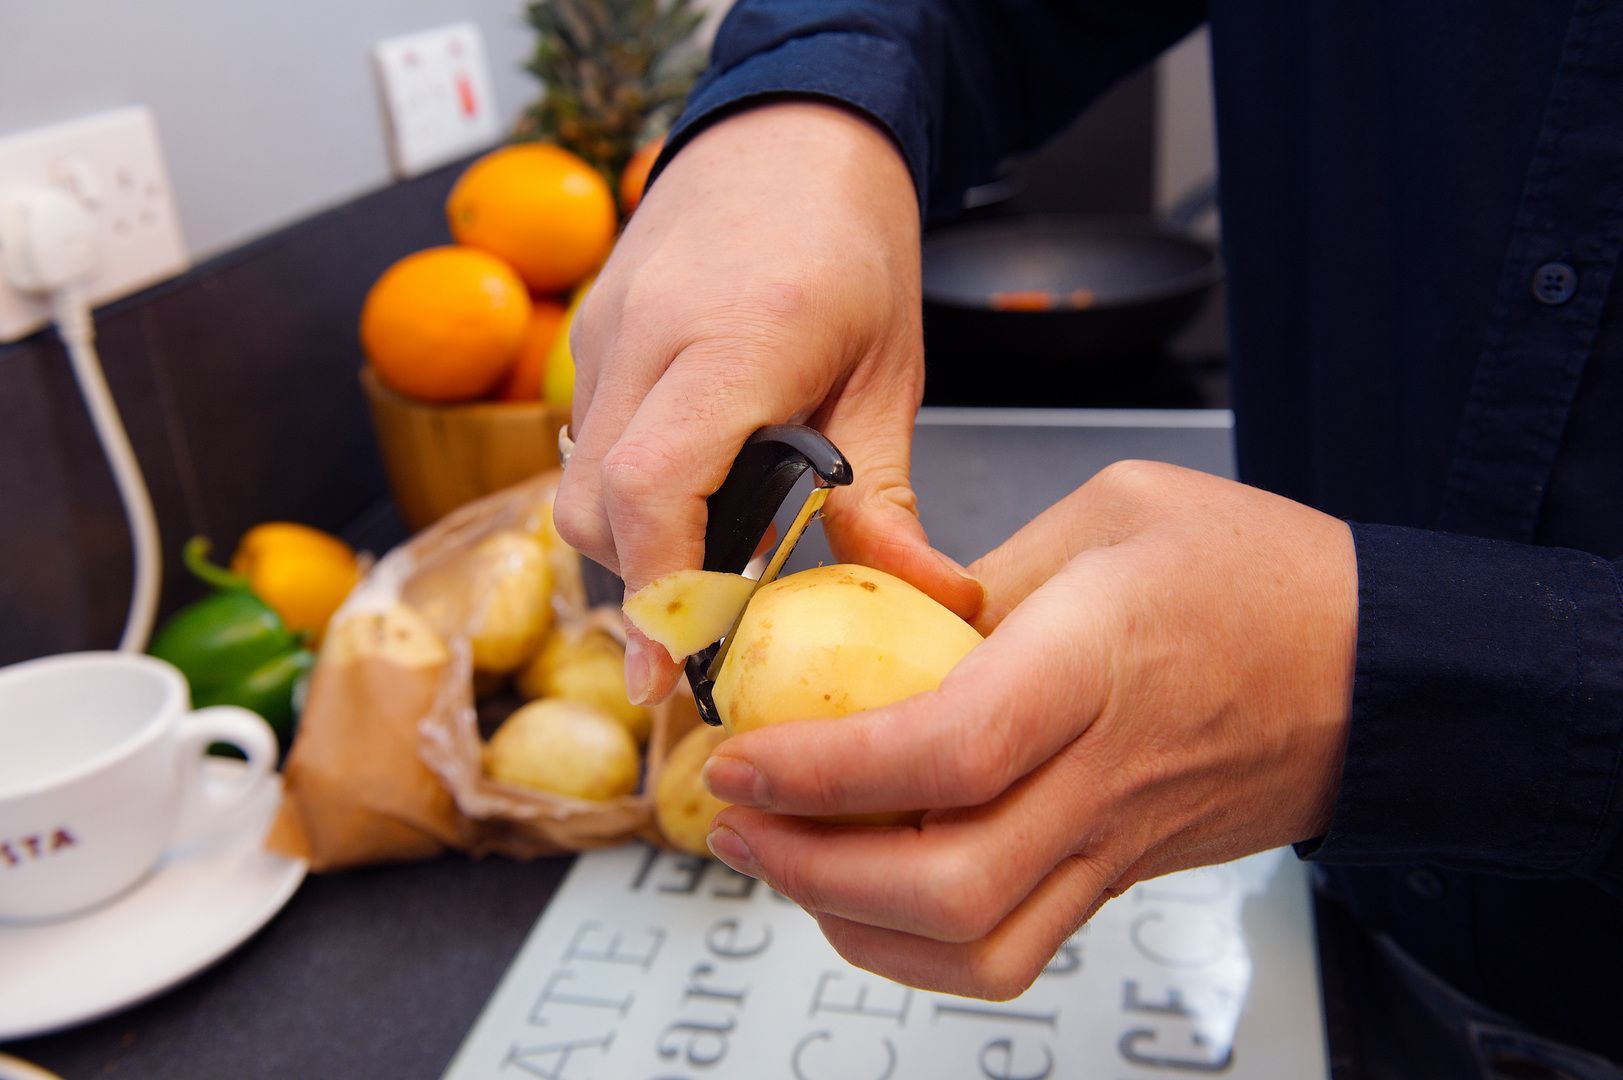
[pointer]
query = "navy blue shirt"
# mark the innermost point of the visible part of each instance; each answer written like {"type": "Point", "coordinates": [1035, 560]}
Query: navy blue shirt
{"type": "Point", "coordinates": [1422, 210]}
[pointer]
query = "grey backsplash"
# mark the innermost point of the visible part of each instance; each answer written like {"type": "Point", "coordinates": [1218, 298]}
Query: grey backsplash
{"type": "Point", "coordinates": [237, 383]}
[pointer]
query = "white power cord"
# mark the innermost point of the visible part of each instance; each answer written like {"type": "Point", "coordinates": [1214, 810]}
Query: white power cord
{"type": "Point", "coordinates": [47, 246]}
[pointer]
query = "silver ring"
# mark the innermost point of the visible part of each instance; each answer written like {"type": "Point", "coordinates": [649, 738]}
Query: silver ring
{"type": "Point", "coordinates": [566, 447]}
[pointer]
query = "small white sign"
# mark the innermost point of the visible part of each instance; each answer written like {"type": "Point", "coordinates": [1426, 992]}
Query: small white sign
{"type": "Point", "coordinates": [438, 95]}
{"type": "Point", "coordinates": [653, 966]}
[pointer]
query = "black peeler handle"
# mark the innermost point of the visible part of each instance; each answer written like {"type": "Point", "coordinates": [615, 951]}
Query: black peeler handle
{"type": "Point", "coordinates": [768, 466]}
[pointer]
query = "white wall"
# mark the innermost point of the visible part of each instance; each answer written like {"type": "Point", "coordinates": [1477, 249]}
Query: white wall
{"type": "Point", "coordinates": [268, 109]}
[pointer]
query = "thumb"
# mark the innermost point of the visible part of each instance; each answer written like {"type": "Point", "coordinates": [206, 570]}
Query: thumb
{"type": "Point", "coordinates": [875, 521]}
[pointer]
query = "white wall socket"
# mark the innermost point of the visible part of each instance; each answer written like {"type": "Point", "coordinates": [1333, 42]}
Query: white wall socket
{"type": "Point", "coordinates": [438, 96]}
{"type": "Point", "coordinates": [113, 164]}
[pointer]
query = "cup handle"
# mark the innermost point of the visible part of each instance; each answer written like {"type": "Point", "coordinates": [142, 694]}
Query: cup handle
{"type": "Point", "coordinates": [206, 809]}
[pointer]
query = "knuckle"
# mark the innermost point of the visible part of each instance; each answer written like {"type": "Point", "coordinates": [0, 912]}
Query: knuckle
{"type": "Point", "coordinates": [782, 299]}
{"type": "Point", "coordinates": [635, 469]}
{"type": "Point", "coordinates": [957, 904]}
{"type": "Point", "coordinates": [1130, 479]}
{"type": "Point", "coordinates": [889, 484]}
{"type": "Point", "coordinates": [578, 522]}
{"type": "Point", "coordinates": [786, 297]}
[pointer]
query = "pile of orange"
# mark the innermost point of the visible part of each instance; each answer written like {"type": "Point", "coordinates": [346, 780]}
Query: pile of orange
{"type": "Point", "coordinates": [484, 317]}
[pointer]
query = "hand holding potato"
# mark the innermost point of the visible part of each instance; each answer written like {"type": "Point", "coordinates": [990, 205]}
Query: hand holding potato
{"type": "Point", "coordinates": [1165, 684]}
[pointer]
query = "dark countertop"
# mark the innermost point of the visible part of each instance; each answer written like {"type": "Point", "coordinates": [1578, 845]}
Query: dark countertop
{"type": "Point", "coordinates": [381, 972]}
{"type": "Point", "coordinates": [368, 973]}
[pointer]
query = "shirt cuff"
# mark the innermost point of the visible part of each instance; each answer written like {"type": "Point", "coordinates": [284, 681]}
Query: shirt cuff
{"type": "Point", "coordinates": [852, 69]}
{"type": "Point", "coordinates": [1487, 713]}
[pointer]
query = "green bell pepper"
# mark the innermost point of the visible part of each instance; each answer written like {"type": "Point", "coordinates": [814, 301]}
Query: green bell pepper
{"type": "Point", "coordinates": [233, 649]}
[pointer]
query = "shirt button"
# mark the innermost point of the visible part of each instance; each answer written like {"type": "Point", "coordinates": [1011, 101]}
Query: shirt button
{"type": "Point", "coordinates": [1426, 884]}
{"type": "Point", "coordinates": [1554, 283]}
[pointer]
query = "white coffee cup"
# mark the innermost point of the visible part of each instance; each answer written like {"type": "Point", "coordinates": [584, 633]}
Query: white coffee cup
{"type": "Point", "coordinates": [101, 772]}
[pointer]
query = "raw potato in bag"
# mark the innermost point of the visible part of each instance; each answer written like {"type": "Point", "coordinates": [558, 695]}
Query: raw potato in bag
{"type": "Point", "coordinates": [388, 762]}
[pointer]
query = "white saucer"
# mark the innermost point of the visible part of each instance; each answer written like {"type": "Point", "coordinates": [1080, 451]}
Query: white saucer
{"type": "Point", "coordinates": [194, 908]}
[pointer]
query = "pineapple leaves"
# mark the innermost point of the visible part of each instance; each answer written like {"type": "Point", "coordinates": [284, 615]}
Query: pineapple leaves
{"type": "Point", "coordinates": [613, 74]}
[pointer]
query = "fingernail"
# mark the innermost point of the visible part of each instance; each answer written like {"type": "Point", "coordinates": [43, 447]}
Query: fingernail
{"type": "Point", "coordinates": [730, 848]}
{"type": "Point", "coordinates": [980, 588]}
{"type": "Point", "coordinates": [737, 782]}
{"type": "Point", "coordinates": [639, 674]}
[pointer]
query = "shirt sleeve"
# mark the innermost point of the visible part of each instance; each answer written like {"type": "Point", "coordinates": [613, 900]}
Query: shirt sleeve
{"type": "Point", "coordinates": [958, 84]}
{"type": "Point", "coordinates": [1487, 714]}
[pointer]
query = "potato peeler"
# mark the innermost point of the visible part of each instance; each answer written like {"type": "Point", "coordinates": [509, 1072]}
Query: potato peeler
{"type": "Point", "coordinates": [766, 469]}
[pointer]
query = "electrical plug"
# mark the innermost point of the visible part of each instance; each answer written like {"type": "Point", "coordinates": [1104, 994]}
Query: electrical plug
{"type": "Point", "coordinates": [47, 239]}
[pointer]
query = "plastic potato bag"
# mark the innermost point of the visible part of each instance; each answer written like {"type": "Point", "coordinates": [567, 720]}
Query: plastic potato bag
{"type": "Point", "coordinates": [386, 766]}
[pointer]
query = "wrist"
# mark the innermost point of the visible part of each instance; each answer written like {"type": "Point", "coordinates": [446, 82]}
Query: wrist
{"type": "Point", "coordinates": [812, 140]}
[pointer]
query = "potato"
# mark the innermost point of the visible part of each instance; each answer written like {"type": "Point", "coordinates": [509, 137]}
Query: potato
{"type": "Point", "coordinates": [585, 665]}
{"type": "Point", "coordinates": [561, 558]}
{"type": "Point", "coordinates": [683, 806]}
{"type": "Point", "coordinates": [689, 609]}
{"type": "Point", "coordinates": [566, 748]}
{"type": "Point", "coordinates": [516, 584]}
{"type": "Point", "coordinates": [539, 524]}
{"type": "Point", "coordinates": [835, 640]}
{"type": "Point", "coordinates": [832, 641]}
{"type": "Point", "coordinates": [397, 635]}
{"type": "Point", "coordinates": [499, 595]}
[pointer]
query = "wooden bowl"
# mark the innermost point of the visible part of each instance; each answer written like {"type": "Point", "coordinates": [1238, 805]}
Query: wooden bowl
{"type": "Point", "coordinates": [439, 457]}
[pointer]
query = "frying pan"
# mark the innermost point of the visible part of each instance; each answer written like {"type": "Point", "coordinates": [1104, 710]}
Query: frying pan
{"type": "Point", "coordinates": [1062, 286]}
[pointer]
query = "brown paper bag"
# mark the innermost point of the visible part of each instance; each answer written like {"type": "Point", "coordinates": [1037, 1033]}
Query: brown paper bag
{"type": "Point", "coordinates": [386, 766]}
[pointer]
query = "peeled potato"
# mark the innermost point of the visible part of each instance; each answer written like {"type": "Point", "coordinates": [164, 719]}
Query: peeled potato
{"type": "Point", "coordinates": [689, 609]}
{"type": "Point", "coordinates": [835, 640]}
{"type": "Point", "coordinates": [566, 748]}
{"type": "Point", "coordinates": [588, 666]}
{"type": "Point", "coordinates": [832, 641]}
{"type": "Point", "coordinates": [683, 806]}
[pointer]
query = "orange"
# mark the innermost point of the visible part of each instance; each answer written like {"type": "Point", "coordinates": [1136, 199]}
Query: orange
{"type": "Point", "coordinates": [444, 324]}
{"type": "Point", "coordinates": [523, 381]}
{"type": "Point", "coordinates": [539, 207]}
{"type": "Point", "coordinates": [634, 177]}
